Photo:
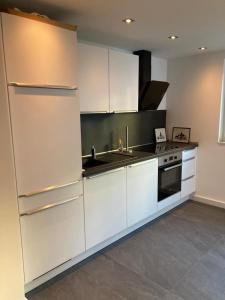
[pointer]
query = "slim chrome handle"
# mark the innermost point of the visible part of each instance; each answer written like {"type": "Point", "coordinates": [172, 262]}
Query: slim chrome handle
{"type": "Point", "coordinates": [45, 207]}
{"type": "Point", "coordinates": [48, 189]}
{"type": "Point", "coordinates": [44, 86]}
{"type": "Point", "coordinates": [105, 173]}
{"type": "Point", "coordinates": [172, 167]}
{"type": "Point", "coordinates": [94, 112]}
{"type": "Point", "coordinates": [143, 162]}
{"type": "Point", "coordinates": [124, 111]}
{"type": "Point", "coordinates": [188, 159]}
{"type": "Point", "coordinates": [190, 177]}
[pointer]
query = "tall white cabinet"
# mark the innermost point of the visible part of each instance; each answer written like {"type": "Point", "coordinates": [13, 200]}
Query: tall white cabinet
{"type": "Point", "coordinates": [108, 80]}
{"type": "Point", "coordinates": [41, 72]}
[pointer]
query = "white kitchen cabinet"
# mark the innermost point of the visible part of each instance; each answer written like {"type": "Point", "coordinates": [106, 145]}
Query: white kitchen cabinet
{"type": "Point", "coordinates": [142, 190]}
{"type": "Point", "coordinates": [188, 168]}
{"type": "Point", "coordinates": [188, 184]}
{"type": "Point", "coordinates": [52, 236]}
{"type": "Point", "coordinates": [93, 78]}
{"type": "Point", "coordinates": [123, 80]}
{"type": "Point", "coordinates": [46, 137]}
{"type": "Point", "coordinates": [105, 206]}
{"type": "Point", "coordinates": [37, 53]}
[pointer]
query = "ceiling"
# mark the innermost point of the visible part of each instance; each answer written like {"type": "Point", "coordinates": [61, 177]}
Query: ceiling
{"type": "Point", "coordinates": [197, 22]}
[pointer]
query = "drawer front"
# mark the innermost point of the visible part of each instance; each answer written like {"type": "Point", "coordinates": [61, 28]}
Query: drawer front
{"type": "Point", "coordinates": [188, 187]}
{"type": "Point", "coordinates": [187, 154]}
{"type": "Point", "coordinates": [188, 168]}
{"type": "Point", "coordinates": [52, 237]}
{"type": "Point", "coordinates": [50, 197]}
{"type": "Point", "coordinates": [168, 201]}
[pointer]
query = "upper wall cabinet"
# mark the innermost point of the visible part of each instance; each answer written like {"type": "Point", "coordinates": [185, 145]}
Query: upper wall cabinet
{"type": "Point", "coordinates": [93, 78]}
{"type": "Point", "coordinates": [37, 53]}
{"type": "Point", "coordinates": [123, 79]}
{"type": "Point", "coordinates": [108, 80]}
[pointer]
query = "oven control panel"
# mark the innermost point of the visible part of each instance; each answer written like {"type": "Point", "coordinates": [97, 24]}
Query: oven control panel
{"type": "Point", "coordinates": [170, 158]}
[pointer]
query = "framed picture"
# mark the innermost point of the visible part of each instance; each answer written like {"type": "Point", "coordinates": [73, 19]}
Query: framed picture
{"type": "Point", "coordinates": [181, 134]}
{"type": "Point", "coordinates": [160, 135]}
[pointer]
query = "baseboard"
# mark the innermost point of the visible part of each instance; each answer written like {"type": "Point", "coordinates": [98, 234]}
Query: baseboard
{"type": "Point", "coordinates": [208, 201]}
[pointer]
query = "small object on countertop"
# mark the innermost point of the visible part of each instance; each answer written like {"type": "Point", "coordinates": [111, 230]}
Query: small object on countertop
{"type": "Point", "coordinates": [120, 144]}
{"type": "Point", "coordinates": [160, 135]}
{"type": "Point", "coordinates": [93, 152]}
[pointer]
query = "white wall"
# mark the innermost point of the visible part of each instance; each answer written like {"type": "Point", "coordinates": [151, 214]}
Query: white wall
{"type": "Point", "coordinates": [159, 72]}
{"type": "Point", "coordinates": [11, 269]}
{"type": "Point", "coordinates": [193, 100]}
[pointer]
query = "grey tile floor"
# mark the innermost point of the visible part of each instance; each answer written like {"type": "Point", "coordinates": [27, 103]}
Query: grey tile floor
{"type": "Point", "coordinates": [180, 256]}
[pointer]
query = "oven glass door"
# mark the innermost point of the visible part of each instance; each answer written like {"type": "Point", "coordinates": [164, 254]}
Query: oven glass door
{"type": "Point", "coordinates": [169, 182]}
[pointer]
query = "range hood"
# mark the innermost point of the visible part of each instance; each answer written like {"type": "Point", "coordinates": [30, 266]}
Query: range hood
{"type": "Point", "coordinates": [151, 92]}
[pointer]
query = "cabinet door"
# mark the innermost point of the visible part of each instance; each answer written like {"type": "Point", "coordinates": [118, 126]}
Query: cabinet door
{"type": "Point", "coordinates": [105, 206]}
{"type": "Point", "coordinates": [142, 189]}
{"type": "Point", "coordinates": [46, 137]}
{"type": "Point", "coordinates": [37, 53]}
{"type": "Point", "coordinates": [93, 78]}
{"type": "Point", "coordinates": [123, 78]}
{"type": "Point", "coordinates": [52, 237]}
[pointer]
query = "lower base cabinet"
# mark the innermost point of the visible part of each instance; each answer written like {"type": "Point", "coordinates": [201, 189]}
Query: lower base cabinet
{"type": "Point", "coordinates": [52, 237]}
{"type": "Point", "coordinates": [142, 190]}
{"type": "Point", "coordinates": [105, 206]}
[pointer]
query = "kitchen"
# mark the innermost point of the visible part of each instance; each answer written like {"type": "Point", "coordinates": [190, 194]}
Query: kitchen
{"type": "Point", "coordinates": [85, 181]}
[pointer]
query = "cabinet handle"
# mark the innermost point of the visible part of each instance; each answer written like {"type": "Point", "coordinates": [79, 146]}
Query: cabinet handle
{"type": "Point", "coordinates": [124, 111]}
{"type": "Point", "coordinates": [190, 177]}
{"type": "Point", "coordinates": [44, 86]}
{"type": "Point", "coordinates": [142, 162]}
{"type": "Point", "coordinates": [105, 173]}
{"type": "Point", "coordinates": [48, 189]}
{"type": "Point", "coordinates": [188, 159]}
{"type": "Point", "coordinates": [95, 112]}
{"type": "Point", "coordinates": [42, 208]}
{"type": "Point", "coordinates": [172, 167]}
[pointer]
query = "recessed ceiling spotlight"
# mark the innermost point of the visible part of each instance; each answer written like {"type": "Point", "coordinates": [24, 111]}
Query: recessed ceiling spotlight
{"type": "Point", "coordinates": [173, 37]}
{"type": "Point", "coordinates": [128, 20]}
{"type": "Point", "coordinates": [202, 48]}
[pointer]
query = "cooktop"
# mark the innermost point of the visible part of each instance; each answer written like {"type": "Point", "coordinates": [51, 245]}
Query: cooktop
{"type": "Point", "coordinates": [156, 148]}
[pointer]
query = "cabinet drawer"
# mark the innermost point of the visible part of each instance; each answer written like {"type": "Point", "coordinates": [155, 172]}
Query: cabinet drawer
{"type": "Point", "coordinates": [169, 201]}
{"type": "Point", "coordinates": [187, 154]}
{"type": "Point", "coordinates": [188, 168]}
{"type": "Point", "coordinates": [52, 237]}
{"type": "Point", "coordinates": [188, 187]}
{"type": "Point", "coordinates": [50, 197]}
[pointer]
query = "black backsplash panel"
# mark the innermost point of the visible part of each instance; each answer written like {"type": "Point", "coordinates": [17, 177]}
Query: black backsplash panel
{"type": "Point", "coordinates": [104, 130]}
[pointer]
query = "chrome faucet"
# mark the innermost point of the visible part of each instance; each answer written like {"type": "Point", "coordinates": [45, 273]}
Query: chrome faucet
{"type": "Point", "coordinates": [127, 141]}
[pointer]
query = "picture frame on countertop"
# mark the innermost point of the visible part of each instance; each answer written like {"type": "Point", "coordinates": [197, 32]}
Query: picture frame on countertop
{"type": "Point", "coordinates": [181, 134]}
{"type": "Point", "coordinates": [160, 135]}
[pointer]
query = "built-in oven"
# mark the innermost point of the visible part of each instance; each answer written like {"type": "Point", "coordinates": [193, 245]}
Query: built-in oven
{"type": "Point", "coordinates": [169, 175]}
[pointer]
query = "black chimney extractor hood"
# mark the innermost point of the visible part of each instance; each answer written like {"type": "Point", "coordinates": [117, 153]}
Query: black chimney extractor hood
{"type": "Point", "coordinates": [151, 92]}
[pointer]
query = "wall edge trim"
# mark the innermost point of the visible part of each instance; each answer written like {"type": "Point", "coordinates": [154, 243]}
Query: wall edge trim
{"type": "Point", "coordinates": [209, 201]}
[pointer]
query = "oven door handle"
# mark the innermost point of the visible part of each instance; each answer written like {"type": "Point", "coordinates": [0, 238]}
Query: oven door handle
{"type": "Point", "coordinates": [172, 167]}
